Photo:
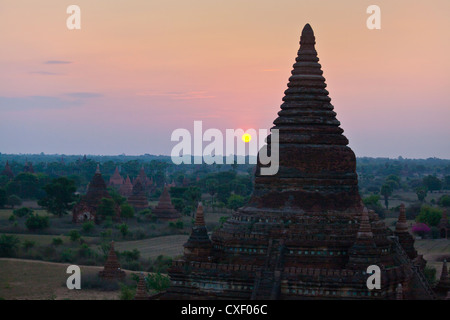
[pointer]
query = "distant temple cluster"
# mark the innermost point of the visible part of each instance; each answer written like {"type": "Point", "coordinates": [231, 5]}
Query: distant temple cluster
{"type": "Point", "coordinates": [136, 193]}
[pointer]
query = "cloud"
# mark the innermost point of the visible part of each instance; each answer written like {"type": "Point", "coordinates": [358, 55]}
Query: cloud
{"type": "Point", "coordinates": [46, 73]}
{"type": "Point", "coordinates": [84, 95]}
{"type": "Point", "coordinates": [57, 62]}
{"type": "Point", "coordinates": [179, 95]}
{"type": "Point", "coordinates": [37, 102]}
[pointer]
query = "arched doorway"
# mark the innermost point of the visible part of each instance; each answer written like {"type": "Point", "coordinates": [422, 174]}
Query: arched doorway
{"type": "Point", "coordinates": [443, 233]}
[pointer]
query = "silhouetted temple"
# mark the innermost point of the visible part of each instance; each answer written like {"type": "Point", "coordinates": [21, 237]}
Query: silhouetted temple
{"type": "Point", "coordinates": [126, 189]}
{"type": "Point", "coordinates": [165, 209]}
{"type": "Point", "coordinates": [86, 208]}
{"type": "Point", "coordinates": [112, 270]}
{"type": "Point", "coordinates": [116, 179]}
{"type": "Point", "coordinates": [305, 233]}
{"type": "Point", "coordinates": [7, 171]}
{"type": "Point", "coordinates": [138, 198]}
{"type": "Point", "coordinates": [28, 168]}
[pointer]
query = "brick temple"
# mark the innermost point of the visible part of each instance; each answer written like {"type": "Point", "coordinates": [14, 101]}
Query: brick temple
{"type": "Point", "coordinates": [305, 233]}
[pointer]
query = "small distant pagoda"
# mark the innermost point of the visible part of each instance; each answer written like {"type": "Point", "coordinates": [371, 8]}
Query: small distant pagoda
{"type": "Point", "coordinates": [138, 198]}
{"type": "Point", "coordinates": [28, 168]}
{"type": "Point", "coordinates": [86, 209]}
{"type": "Point", "coordinates": [144, 179]}
{"type": "Point", "coordinates": [7, 171]}
{"type": "Point", "coordinates": [116, 179]}
{"type": "Point", "coordinates": [198, 247]}
{"type": "Point", "coordinates": [112, 269]}
{"type": "Point", "coordinates": [126, 189]}
{"type": "Point", "coordinates": [165, 209]}
{"type": "Point", "coordinates": [444, 226]}
{"type": "Point", "coordinates": [141, 290]}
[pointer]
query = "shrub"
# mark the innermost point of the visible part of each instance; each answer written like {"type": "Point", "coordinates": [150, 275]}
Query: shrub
{"type": "Point", "coordinates": [123, 228]}
{"type": "Point", "coordinates": [28, 244]}
{"type": "Point", "coordinates": [35, 222]}
{"type": "Point", "coordinates": [57, 241]}
{"type": "Point", "coordinates": [420, 229]}
{"type": "Point", "coordinates": [8, 245]}
{"type": "Point", "coordinates": [157, 282]}
{"type": "Point", "coordinates": [444, 201]}
{"type": "Point", "coordinates": [127, 292]}
{"type": "Point", "coordinates": [22, 212]}
{"type": "Point", "coordinates": [131, 255]}
{"type": "Point", "coordinates": [429, 215]}
{"type": "Point", "coordinates": [67, 255]}
{"type": "Point", "coordinates": [12, 218]}
{"type": "Point", "coordinates": [74, 235]}
{"type": "Point", "coordinates": [88, 226]}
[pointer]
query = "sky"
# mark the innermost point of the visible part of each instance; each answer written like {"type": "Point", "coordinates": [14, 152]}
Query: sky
{"type": "Point", "coordinates": [139, 69]}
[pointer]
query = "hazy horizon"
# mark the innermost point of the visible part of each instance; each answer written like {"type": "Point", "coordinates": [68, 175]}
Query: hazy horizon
{"type": "Point", "coordinates": [137, 70]}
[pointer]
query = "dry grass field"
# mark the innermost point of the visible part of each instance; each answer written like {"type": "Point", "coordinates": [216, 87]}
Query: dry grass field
{"type": "Point", "coordinates": [151, 248]}
{"type": "Point", "coordinates": [38, 280]}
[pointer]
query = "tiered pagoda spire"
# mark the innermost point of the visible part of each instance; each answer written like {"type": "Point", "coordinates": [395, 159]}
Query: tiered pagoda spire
{"type": "Point", "coordinates": [141, 291]}
{"type": "Point", "coordinates": [28, 168]}
{"type": "Point", "coordinates": [126, 189]}
{"type": "Point", "coordinates": [444, 225]}
{"type": "Point", "coordinates": [165, 209]}
{"type": "Point", "coordinates": [404, 237]}
{"type": "Point", "coordinates": [317, 170]}
{"type": "Point", "coordinates": [116, 179]}
{"type": "Point", "coordinates": [112, 269]}
{"type": "Point", "coordinates": [7, 171]}
{"type": "Point", "coordinates": [198, 247]}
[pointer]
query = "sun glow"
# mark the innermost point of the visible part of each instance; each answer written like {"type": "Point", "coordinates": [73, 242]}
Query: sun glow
{"type": "Point", "coordinates": [246, 137]}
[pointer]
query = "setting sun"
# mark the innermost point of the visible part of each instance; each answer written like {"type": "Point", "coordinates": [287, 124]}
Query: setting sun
{"type": "Point", "coordinates": [246, 137]}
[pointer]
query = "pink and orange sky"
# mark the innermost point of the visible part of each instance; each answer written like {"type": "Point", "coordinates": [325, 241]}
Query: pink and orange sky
{"type": "Point", "coordinates": [139, 69]}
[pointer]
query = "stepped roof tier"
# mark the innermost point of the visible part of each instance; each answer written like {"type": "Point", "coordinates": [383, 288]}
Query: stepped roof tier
{"type": "Point", "coordinates": [404, 237]}
{"type": "Point", "coordinates": [112, 269]}
{"type": "Point", "coordinates": [86, 209]}
{"type": "Point", "coordinates": [126, 189]}
{"type": "Point", "coordinates": [138, 198]}
{"type": "Point", "coordinates": [305, 233]}
{"type": "Point", "coordinates": [443, 285]}
{"type": "Point", "coordinates": [116, 179]}
{"type": "Point", "coordinates": [165, 210]}
{"type": "Point", "coordinates": [7, 171]}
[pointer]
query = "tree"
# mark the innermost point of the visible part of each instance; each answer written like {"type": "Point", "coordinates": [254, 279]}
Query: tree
{"type": "Point", "coordinates": [421, 194]}
{"type": "Point", "coordinates": [123, 228]}
{"type": "Point", "coordinates": [116, 196]}
{"type": "Point", "coordinates": [13, 201]}
{"type": "Point", "coordinates": [74, 235]}
{"type": "Point", "coordinates": [211, 187]}
{"type": "Point", "coordinates": [88, 226]}
{"type": "Point", "coordinates": [60, 196]}
{"type": "Point", "coordinates": [8, 245]}
{"type": "Point", "coordinates": [36, 222]}
{"type": "Point", "coordinates": [429, 215]}
{"type": "Point", "coordinates": [22, 212]}
{"type": "Point", "coordinates": [25, 185]}
{"type": "Point", "coordinates": [126, 211]}
{"type": "Point", "coordinates": [386, 192]}
{"type": "Point", "coordinates": [157, 282]}
{"type": "Point", "coordinates": [106, 208]}
{"type": "Point", "coordinates": [444, 201]}
{"type": "Point", "coordinates": [432, 183]}
{"type": "Point", "coordinates": [192, 196]}
{"type": "Point", "coordinates": [235, 201]}
{"type": "Point", "coordinates": [3, 198]}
